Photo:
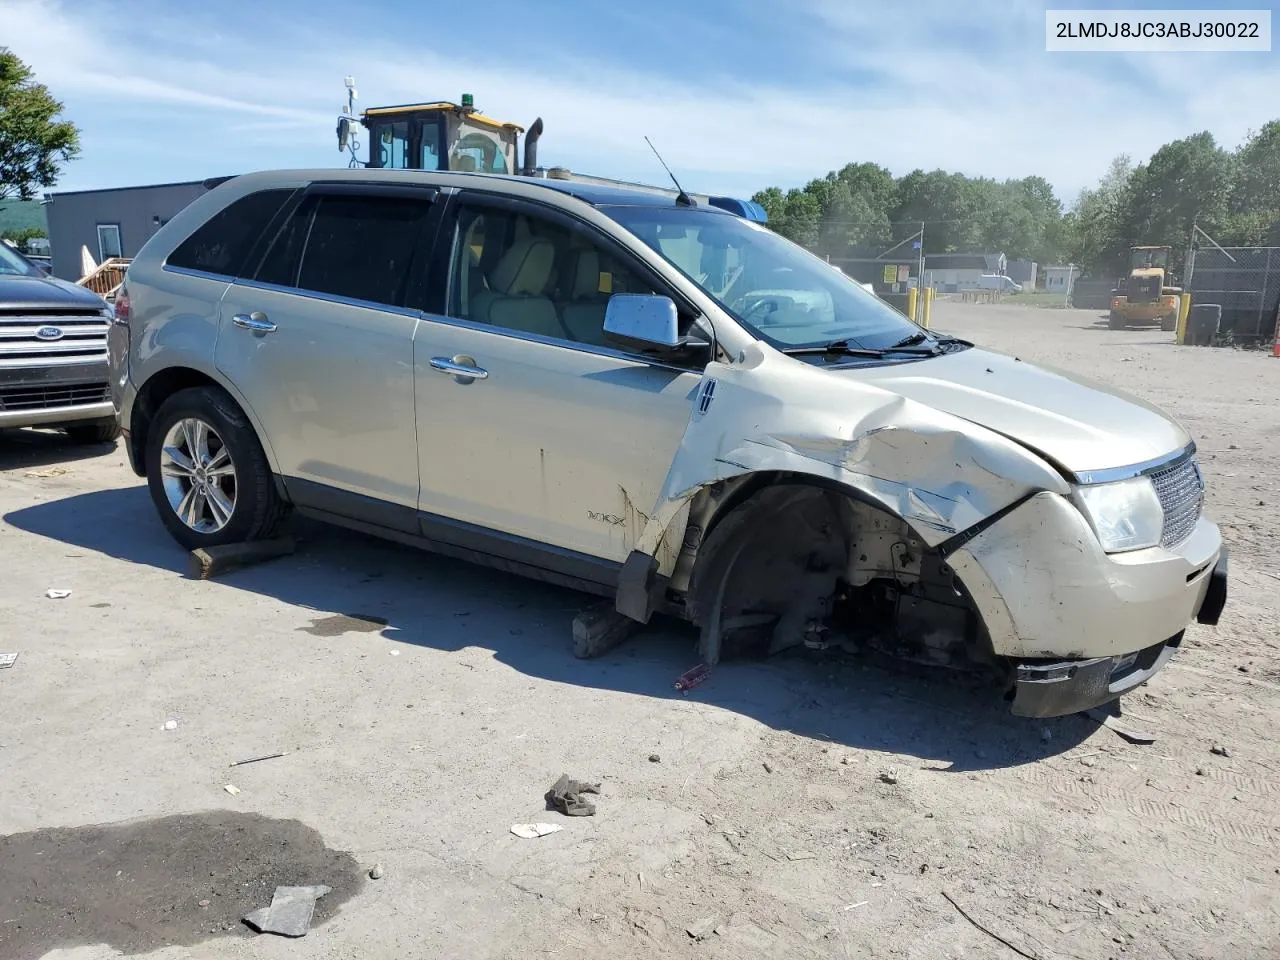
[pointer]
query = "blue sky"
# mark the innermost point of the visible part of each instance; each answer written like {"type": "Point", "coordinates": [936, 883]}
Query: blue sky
{"type": "Point", "coordinates": [736, 95]}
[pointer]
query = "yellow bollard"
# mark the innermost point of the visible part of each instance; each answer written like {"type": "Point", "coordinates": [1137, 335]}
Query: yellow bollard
{"type": "Point", "coordinates": [911, 303]}
{"type": "Point", "coordinates": [928, 307]}
{"type": "Point", "coordinates": [1184, 310]}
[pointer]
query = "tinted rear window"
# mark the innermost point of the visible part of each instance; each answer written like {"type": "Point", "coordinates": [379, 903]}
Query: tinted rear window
{"type": "Point", "coordinates": [357, 247]}
{"type": "Point", "coordinates": [225, 241]}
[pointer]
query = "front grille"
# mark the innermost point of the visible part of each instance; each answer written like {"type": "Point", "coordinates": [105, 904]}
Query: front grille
{"type": "Point", "coordinates": [70, 336]}
{"type": "Point", "coordinates": [1181, 492]}
{"type": "Point", "coordinates": [1144, 288]}
{"type": "Point", "coordinates": [52, 396]}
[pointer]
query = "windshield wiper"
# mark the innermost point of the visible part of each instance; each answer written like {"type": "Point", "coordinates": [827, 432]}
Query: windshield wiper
{"type": "Point", "coordinates": [845, 348]}
{"type": "Point", "coordinates": [911, 340]}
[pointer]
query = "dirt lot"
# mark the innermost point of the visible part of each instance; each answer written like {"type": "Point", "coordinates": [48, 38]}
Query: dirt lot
{"type": "Point", "coordinates": [418, 742]}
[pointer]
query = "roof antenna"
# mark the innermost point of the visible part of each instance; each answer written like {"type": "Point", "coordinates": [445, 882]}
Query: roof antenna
{"type": "Point", "coordinates": [683, 199]}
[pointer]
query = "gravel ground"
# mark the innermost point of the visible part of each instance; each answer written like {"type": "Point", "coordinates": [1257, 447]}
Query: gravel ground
{"type": "Point", "coordinates": [800, 807]}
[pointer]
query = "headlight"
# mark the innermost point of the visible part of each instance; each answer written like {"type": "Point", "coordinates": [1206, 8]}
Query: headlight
{"type": "Point", "coordinates": [1125, 515]}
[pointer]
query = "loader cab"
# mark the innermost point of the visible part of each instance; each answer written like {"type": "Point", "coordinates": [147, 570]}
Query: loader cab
{"type": "Point", "coordinates": [1149, 258]}
{"type": "Point", "coordinates": [433, 136]}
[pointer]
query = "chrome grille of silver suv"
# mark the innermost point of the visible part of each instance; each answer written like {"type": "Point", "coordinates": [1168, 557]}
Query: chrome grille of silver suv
{"type": "Point", "coordinates": [1181, 492]}
{"type": "Point", "coordinates": [51, 336]}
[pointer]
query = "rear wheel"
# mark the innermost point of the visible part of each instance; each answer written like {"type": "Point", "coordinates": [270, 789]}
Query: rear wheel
{"type": "Point", "coordinates": [207, 474]}
{"type": "Point", "coordinates": [105, 430]}
{"type": "Point", "coordinates": [1115, 321]}
{"type": "Point", "coordinates": [1169, 322]}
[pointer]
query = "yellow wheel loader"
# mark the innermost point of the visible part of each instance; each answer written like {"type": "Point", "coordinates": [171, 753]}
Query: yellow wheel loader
{"type": "Point", "coordinates": [1145, 296]}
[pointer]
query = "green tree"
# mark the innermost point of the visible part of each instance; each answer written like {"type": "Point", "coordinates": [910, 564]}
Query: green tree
{"type": "Point", "coordinates": [1092, 233]}
{"type": "Point", "coordinates": [795, 214]}
{"type": "Point", "coordinates": [1255, 196]}
{"type": "Point", "coordinates": [34, 142]}
{"type": "Point", "coordinates": [1187, 181]}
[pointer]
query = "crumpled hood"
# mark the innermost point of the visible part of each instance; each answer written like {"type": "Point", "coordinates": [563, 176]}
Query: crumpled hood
{"type": "Point", "coordinates": [20, 292]}
{"type": "Point", "coordinates": [1079, 424]}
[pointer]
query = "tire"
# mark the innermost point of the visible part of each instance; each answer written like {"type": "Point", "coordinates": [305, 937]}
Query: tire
{"type": "Point", "coordinates": [106, 430]}
{"type": "Point", "coordinates": [256, 509]}
{"type": "Point", "coordinates": [1115, 321]}
{"type": "Point", "coordinates": [1169, 322]}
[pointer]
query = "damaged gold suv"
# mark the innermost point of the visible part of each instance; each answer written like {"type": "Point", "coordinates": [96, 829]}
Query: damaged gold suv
{"type": "Point", "coordinates": [660, 402]}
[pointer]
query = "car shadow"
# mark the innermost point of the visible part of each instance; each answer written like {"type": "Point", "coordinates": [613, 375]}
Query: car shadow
{"type": "Point", "coordinates": [24, 449]}
{"type": "Point", "coordinates": [412, 597]}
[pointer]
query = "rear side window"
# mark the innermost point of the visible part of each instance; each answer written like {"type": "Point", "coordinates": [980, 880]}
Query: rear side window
{"type": "Point", "coordinates": [349, 246]}
{"type": "Point", "coordinates": [225, 241]}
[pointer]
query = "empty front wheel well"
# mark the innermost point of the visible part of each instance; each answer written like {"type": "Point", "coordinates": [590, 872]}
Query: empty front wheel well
{"type": "Point", "coordinates": [790, 559]}
{"type": "Point", "coordinates": [151, 395]}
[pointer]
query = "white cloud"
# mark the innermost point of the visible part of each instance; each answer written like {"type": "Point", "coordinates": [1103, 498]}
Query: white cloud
{"type": "Point", "coordinates": [993, 103]}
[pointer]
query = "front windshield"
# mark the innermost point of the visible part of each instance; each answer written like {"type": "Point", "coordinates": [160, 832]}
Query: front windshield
{"type": "Point", "coordinates": [478, 149]}
{"type": "Point", "coordinates": [13, 265]}
{"type": "Point", "coordinates": [780, 291]}
{"type": "Point", "coordinates": [1150, 258]}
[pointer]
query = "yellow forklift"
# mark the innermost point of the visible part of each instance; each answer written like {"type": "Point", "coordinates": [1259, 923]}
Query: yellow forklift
{"type": "Point", "coordinates": [1145, 296]}
{"type": "Point", "coordinates": [441, 135]}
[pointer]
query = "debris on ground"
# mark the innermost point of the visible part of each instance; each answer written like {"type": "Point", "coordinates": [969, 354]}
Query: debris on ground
{"type": "Point", "coordinates": [1218, 750]}
{"type": "Point", "coordinates": [531, 831]}
{"type": "Point", "coordinates": [170, 724]}
{"type": "Point", "coordinates": [56, 594]}
{"type": "Point", "coordinates": [768, 767]}
{"type": "Point", "coordinates": [990, 933]}
{"type": "Point", "coordinates": [1112, 722]}
{"type": "Point", "coordinates": [691, 678]}
{"type": "Point", "coordinates": [269, 756]}
{"type": "Point", "coordinates": [599, 629]}
{"type": "Point", "coordinates": [208, 562]}
{"type": "Point", "coordinates": [860, 903]}
{"type": "Point", "coordinates": [654, 758]}
{"type": "Point", "coordinates": [889, 776]}
{"type": "Point", "coordinates": [701, 929]}
{"type": "Point", "coordinates": [7, 660]}
{"type": "Point", "coordinates": [232, 789]}
{"type": "Point", "coordinates": [566, 796]}
{"type": "Point", "coordinates": [376, 872]}
{"type": "Point", "coordinates": [290, 912]}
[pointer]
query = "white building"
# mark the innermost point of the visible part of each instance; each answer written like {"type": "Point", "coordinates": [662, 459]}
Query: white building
{"type": "Point", "coordinates": [1060, 277]}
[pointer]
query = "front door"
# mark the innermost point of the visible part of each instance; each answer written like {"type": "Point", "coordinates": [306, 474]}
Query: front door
{"type": "Point", "coordinates": [527, 422]}
{"type": "Point", "coordinates": [321, 347]}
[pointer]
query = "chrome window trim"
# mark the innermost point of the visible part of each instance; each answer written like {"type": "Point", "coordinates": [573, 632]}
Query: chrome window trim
{"type": "Point", "coordinates": [593, 349]}
{"type": "Point", "coordinates": [329, 298]}
{"type": "Point", "coordinates": [198, 274]}
{"type": "Point", "coordinates": [1088, 478]}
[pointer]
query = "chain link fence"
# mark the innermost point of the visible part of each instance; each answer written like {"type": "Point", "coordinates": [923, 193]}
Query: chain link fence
{"type": "Point", "coordinates": [1245, 281]}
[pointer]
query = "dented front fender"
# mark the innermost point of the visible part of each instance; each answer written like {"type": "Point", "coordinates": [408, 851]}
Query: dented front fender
{"type": "Point", "coordinates": [939, 473]}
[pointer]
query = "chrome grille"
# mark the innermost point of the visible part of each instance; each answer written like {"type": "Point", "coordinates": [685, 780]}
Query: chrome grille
{"type": "Point", "coordinates": [1181, 492]}
{"type": "Point", "coordinates": [80, 335]}
{"type": "Point", "coordinates": [45, 397]}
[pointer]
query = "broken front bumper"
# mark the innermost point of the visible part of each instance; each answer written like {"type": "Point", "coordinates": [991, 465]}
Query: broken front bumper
{"type": "Point", "coordinates": [1070, 686]}
{"type": "Point", "coordinates": [1055, 689]}
{"type": "Point", "coordinates": [1083, 626]}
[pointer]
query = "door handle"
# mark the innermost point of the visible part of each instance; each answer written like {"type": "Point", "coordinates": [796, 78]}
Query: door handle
{"type": "Point", "coordinates": [463, 368]}
{"type": "Point", "coordinates": [256, 321]}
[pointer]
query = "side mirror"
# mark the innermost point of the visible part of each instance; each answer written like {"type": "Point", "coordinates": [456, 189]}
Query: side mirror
{"type": "Point", "coordinates": [643, 321]}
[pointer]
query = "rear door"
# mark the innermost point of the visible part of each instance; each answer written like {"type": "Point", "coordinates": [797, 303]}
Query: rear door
{"type": "Point", "coordinates": [320, 344]}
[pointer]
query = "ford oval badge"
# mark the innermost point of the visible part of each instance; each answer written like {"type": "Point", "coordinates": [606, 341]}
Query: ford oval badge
{"type": "Point", "coordinates": [49, 333]}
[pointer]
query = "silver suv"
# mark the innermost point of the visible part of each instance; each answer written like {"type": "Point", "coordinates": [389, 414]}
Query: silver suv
{"type": "Point", "coordinates": [53, 353]}
{"type": "Point", "coordinates": [661, 403]}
